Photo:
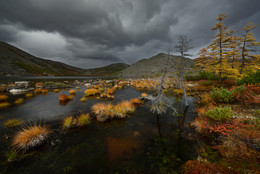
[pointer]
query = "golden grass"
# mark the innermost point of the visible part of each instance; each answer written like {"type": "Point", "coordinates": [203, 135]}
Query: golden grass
{"type": "Point", "coordinates": [56, 90]}
{"type": "Point", "coordinates": [67, 122]}
{"type": "Point", "coordinates": [143, 95]}
{"type": "Point", "coordinates": [31, 137]}
{"type": "Point", "coordinates": [72, 91]}
{"type": "Point", "coordinates": [123, 108]}
{"type": "Point", "coordinates": [70, 122]}
{"type": "Point", "coordinates": [45, 91]}
{"type": "Point", "coordinates": [13, 122]}
{"type": "Point", "coordinates": [19, 101]}
{"type": "Point", "coordinates": [64, 98]}
{"type": "Point", "coordinates": [105, 111]}
{"type": "Point", "coordinates": [4, 105]}
{"type": "Point", "coordinates": [136, 101]}
{"type": "Point", "coordinates": [83, 99]}
{"type": "Point", "coordinates": [91, 92]}
{"type": "Point", "coordinates": [3, 97]}
{"type": "Point", "coordinates": [110, 97]}
{"type": "Point", "coordinates": [29, 95]}
{"type": "Point", "coordinates": [83, 120]}
{"type": "Point", "coordinates": [37, 91]}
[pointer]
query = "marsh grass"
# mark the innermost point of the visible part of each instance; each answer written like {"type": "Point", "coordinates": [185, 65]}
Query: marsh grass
{"type": "Point", "coordinates": [11, 155]}
{"type": "Point", "coordinates": [72, 91]}
{"type": "Point", "coordinates": [4, 105]}
{"type": "Point", "coordinates": [105, 111]}
{"type": "Point", "coordinates": [13, 122]}
{"type": "Point", "coordinates": [80, 121]}
{"type": "Point", "coordinates": [137, 101]}
{"type": "Point", "coordinates": [29, 95]}
{"type": "Point", "coordinates": [19, 101]}
{"type": "Point", "coordinates": [31, 136]}
{"type": "Point", "coordinates": [83, 120]}
{"type": "Point", "coordinates": [91, 92]}
{"type": "Point", "coordinates": [3, 97]}
{"type": "Point", "coordinates": [67, 122]}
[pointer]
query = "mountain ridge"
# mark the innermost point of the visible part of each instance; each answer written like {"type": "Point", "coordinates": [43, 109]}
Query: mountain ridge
{"type": "Point", "coordinates": [15, 61]}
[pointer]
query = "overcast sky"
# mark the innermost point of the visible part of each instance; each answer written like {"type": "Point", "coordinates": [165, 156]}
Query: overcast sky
{"type": "Point", "coordinates": [93, 33]}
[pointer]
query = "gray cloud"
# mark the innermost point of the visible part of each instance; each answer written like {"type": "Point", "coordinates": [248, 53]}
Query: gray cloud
{"type": "Point", "coordinates": [92, 33]}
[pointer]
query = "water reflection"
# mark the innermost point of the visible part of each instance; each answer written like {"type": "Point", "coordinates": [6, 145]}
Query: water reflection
{"type": "Point", "coordinates": [142, 143]}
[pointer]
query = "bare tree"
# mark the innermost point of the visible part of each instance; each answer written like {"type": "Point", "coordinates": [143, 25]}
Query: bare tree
{"type": "Point", "coordinates": [183, 46]}
{"type": "Point", "coordinates": [160, 103]}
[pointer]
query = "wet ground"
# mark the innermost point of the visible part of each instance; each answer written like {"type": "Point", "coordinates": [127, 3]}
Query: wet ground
{"type": "Point", "coordinates": [142, 143]}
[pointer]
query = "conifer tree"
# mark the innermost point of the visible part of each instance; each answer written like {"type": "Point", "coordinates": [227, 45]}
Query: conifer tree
{"type": "Point", "coordinates": [249, 45]}
{"type": "Point", "coordinates": [218, 46]}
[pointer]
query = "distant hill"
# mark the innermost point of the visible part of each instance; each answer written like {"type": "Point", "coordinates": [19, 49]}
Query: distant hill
{"type": "Point", "coordinates": [14, 61]}
{"type": "Point", "coordinates": [112, 69]}
{"type": "Point", "coordinates": [154, 66]}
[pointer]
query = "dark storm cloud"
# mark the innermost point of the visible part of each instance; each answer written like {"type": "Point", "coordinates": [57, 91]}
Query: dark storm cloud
{"type": "Point", "coordinates": [91, 33]}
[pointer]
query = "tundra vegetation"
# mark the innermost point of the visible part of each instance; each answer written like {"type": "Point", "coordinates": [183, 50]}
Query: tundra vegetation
{"type": "Point", "coordinates": [226, 83]}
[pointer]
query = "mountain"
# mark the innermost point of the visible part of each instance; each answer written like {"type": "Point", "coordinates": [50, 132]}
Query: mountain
{"type": "Point", "coordinates": [112, 69]}
{"type": "Point", "coordinates": [14, 61]}
{"type": "Point", "coordinates": [155, 65]}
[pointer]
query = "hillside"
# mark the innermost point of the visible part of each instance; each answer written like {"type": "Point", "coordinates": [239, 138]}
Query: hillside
{"type": "Point", "coordinates": [14, 61]}
{"type": "Point", "coordinates": [154, 66]}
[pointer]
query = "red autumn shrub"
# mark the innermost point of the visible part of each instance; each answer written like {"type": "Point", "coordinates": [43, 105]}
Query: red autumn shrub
{"type": "Point", "coordinates": [199, 167]}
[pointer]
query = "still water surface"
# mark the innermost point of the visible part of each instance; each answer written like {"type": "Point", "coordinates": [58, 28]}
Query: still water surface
{"type": "Point", "coordinates": [142, 143]}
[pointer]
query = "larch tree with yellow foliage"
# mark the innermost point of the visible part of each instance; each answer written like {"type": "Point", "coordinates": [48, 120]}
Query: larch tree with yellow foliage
{"type": "Point", "coordinates": [249, 46]}
{"type": "Point", "coordinates": [218, 48]}
{"type": "Point", "coordinates": [203, 59]}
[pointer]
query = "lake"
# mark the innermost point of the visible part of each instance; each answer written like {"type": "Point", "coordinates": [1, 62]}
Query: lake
{"type": "Point", "coordinates": [141, 143]}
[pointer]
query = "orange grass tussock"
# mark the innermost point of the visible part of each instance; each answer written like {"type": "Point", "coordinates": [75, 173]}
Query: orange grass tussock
{"type": "Point", "coordinates": [3, 97]}
{"type": "Point", "coordinates": [64, 97]}
{"type": "Point", "coordinates": [31, 137]}
{"type": "Point", "coordinates": [136, 101]}
{"type": "Point", "coordinates": [91, 92]}
{"type": "Point", "coordinates": [72, 91]}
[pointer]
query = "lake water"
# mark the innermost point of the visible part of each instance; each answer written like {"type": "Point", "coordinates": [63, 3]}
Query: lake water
{"type": "Point", "coordinates": [142, 143]}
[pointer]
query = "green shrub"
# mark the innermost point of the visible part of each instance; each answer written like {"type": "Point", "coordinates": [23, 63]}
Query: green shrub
{"type": "Point", "coordinates": [205, 75]}
{"type": "Point", "coordinates": [221, 95]}
{"type": "Point", "coordinates": [252, 78]}
{"type": "Point", "coordinates": [220, 114]}
{"type": "Point", "coordinates": [257, 113]}
{"type": "Point", "coordinates": [207, 83]}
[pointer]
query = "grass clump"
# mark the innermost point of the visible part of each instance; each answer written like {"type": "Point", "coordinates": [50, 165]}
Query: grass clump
{"type": "Point", "coordinates": [70, 122]}
{"type": "Point", "coordinates": [72, 91]}
{"type": "Point", "coordinates": [13, 122]}
{"type": "Point", "coordinates": [3, 97]}
{"type": "Point", "coordinates": [56, 90]}
{"type": "Point", "coordinates": [221, 95]}
{"type": "Point", "coordinates": [91, 92]}
{"type": "Point", "coordinates": [83, 120]}
{"type": "Point", "coordinates": [11, 155]}
{"type": "Point", "coordinates": [67, 122]}
{"type": "Point", "coordinates": [143, 95]}
{"type": "Point", "coordinates": [29, 95]}
{"type": "Point", "coordinates": [31, 137]}
{"type": "Point", "coordinates": [105, 111]}
{"type": "Point", "coordinates": [19, 101]}
{"type": "Point", "coordinates": [136, 101]}
{"type": "Point", "coordinates": [220, 114]}
{"type": "Point", "coordinates": [4, 105]}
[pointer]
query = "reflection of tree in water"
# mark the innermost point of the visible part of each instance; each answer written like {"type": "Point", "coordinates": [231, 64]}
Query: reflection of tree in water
{"type": "Point", "coordinates": [166, 154]}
